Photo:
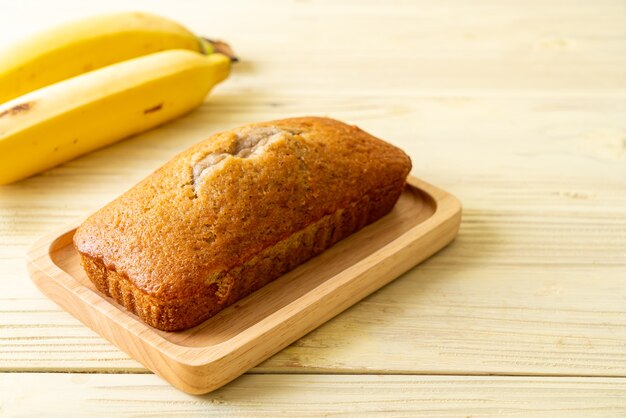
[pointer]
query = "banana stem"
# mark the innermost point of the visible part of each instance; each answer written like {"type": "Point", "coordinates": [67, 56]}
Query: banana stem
{"type": "Point", "coordinates": [222, 47]}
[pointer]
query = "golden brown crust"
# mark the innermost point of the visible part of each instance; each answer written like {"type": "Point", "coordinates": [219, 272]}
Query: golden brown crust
{"type": "Point", "coordinates": [234, 212]}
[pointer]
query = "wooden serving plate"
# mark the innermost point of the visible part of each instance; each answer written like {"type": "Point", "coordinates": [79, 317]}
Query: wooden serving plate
{"type": "Point", "coordinates": [203, 358]}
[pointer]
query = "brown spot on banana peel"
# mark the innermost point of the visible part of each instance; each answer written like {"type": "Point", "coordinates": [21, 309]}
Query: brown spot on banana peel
{"type": "Point", "coordinates": [223, 48]}
{"type": "Point", "coordinates": [153, 109]}
{"type": "Point", "coordinates": [18, 108]}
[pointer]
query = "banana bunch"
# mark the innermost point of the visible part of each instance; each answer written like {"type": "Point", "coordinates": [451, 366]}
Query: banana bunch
{"type": "Point", "coordinates": [87, 84]}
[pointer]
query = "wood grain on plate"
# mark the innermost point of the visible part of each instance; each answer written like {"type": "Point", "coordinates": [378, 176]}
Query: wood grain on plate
{"type": "Point", "coordinates": [203, 358]}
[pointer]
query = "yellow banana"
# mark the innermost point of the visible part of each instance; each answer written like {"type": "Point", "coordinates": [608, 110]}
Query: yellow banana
{"type": "Point", "coordinates": [78, 47]}
{"type": "Point", "coordinates": [56, 123]}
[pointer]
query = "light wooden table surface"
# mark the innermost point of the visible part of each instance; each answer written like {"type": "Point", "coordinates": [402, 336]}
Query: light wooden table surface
{"type": "Point", "coordinates": [517, 108]}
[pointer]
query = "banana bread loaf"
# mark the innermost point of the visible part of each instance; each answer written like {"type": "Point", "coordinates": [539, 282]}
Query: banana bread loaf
{"type": "Point", "coordinates": [234, 212]}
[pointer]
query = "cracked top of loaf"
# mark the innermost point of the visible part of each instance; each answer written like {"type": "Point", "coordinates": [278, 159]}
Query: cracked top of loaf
{"type": "Point", "coordinates": [219, 203]}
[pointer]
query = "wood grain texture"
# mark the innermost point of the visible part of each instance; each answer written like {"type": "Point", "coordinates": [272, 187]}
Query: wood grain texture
{"type": "Point", "coordinates": [205, 357]}
{"type": "Point", "coordinates": [315, 395]}
{"type": "Point", "coordinates": [518, 109]}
